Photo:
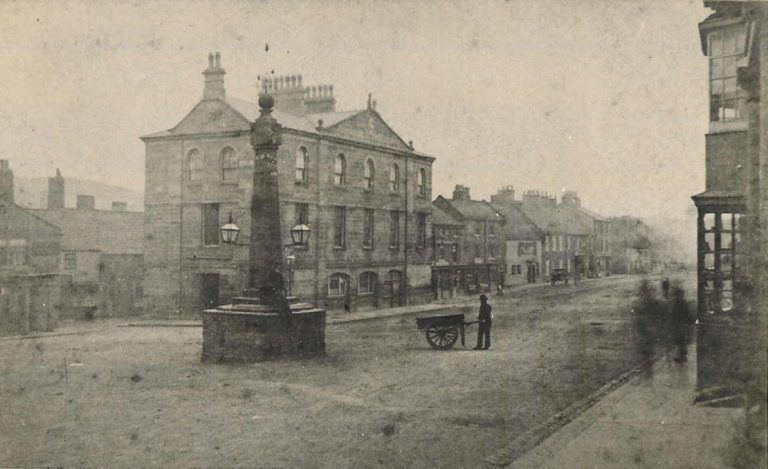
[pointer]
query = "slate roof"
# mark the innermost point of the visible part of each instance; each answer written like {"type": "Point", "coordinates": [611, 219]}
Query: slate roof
{"type": "Point", "coordinates": [249, 111]}
{"type": "Point", "coordinates": [519, 226]}
{"type": "Point", "coordinates": [479, 210]}
{"type": "Point", "coordinates": [441, 217]}
{"type": "Point", "coordinates": [559, 219]}
{"type": "Point", "coordinates": [108, 231]}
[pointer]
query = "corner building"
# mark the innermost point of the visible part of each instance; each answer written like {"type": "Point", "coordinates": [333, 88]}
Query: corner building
{"type": "Point", "coordinates": [364, 192]}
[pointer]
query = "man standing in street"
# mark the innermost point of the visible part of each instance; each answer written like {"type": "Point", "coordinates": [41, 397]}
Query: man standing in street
{"type": "Point", "coordinates": [484, 324]}
{"type": "Point", "coordinates": [680, 324]}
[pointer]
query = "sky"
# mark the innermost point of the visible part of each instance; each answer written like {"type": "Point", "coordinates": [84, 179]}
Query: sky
{"type": "Point", "coordinates": [604, 97]}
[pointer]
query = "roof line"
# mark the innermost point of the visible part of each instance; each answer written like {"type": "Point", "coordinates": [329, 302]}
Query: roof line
{"type": "Point", "coordinates": [29, 212]}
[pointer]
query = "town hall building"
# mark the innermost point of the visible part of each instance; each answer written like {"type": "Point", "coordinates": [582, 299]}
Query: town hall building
{"type": "Point", "coordinates": [364, 192]}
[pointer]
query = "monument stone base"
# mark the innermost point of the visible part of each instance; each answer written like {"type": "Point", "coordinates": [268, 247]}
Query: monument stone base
{"type": "Point", "coordinates": [247, 331]}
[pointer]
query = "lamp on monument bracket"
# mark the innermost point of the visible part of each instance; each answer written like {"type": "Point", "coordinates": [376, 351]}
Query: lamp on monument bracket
{"type": "Point", "coordinates": [300, 234]}
{"type": "Point", "coordinates": [230, 231]}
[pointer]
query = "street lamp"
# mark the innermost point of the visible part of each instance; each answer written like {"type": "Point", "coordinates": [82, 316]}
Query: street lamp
{"type": "Point", "coordinates": [230, 231]}
{"type": "Point", "coordinates": [300, 234]}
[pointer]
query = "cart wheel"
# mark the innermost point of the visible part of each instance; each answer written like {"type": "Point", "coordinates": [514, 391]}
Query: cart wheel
{"type": "Point", "coordinates": [442, 337]}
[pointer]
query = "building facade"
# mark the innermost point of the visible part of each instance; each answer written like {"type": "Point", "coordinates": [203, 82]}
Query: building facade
{"type": "Point", "coordinates": [447, 236]}
{"type": "Point", "coordinates": [101, 254]}
{"type": "Point", "coordinates": [362, 190]}
{"type": "Point", "coordinates": [524, 240]}
{"type": "Point", "coordinates": [478, 262]}
{"type": "Point", "coordinates": [30, 287]}
{"type": "Point", "coordinates": [731, 232]}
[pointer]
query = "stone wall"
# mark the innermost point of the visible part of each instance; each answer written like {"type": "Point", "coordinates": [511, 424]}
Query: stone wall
{"type": "Point", "coordinates": [242, 336]}
{"type": "Point", "coordinates": [30, 303]}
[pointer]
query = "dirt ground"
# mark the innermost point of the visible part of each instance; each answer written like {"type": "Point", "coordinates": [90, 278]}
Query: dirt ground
{"type": "Point", "coordinates": [139, 396]}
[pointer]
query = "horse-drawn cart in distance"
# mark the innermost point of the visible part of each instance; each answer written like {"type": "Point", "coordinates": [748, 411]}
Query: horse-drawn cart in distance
{"type": "Point", "coordinates": [443, 331]}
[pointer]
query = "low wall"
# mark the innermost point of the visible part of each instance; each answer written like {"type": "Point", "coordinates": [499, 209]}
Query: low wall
{"type": "Point", "coordinates": [232, 336]}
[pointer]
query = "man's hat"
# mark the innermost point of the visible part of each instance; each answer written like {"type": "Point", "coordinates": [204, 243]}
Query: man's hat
{"type": "Point", "coordinates": [483, 297]}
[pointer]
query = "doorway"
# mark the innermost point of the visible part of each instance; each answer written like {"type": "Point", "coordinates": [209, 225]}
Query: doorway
{"type": "Point", "coordinates": [395, 280]}
{"type": "Point", "coordinates": [209, 290]}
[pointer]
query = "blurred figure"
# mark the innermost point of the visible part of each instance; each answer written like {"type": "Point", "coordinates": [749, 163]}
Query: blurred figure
{"type": "Point", "coordinates": [680, 319]}
{"type": "Point", "coordinates": [665, 288]}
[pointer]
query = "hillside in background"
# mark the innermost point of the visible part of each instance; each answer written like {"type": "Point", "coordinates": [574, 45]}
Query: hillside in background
{"type": "Point", "coordinates": [33, 193]}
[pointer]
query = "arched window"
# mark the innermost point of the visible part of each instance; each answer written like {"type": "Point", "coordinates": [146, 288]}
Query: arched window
{"type": "Point", "coordinates": [394, 177]}
{"type": "Point", "coordinates": [366, 283]}
{"type": "Point", "coordinates": [302, 165]}
{"type": "Point", "coordinates": [368, 174]}
{"type": "Point", "coordinates": [340, 170]}
{"type": "Point", "coordinates": [228, 164]}
{"type": "Point", "coordinates": [338, 284]}
{"type": "Point", "coordinates": [422, 181]}
{"type": "Point", "coordinates": [195, 164]}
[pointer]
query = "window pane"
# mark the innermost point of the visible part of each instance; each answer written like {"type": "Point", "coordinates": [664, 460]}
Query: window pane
{"type": "Point", "coordinates": [729, 67]}
{"type": "Point", "coordinates": [394, 228]}
{"type": "Point", "coordinates": [210, 224]}
{"type": "Point", "coordinates": [727, 221]}
{"type": "Point", "coordinates": [302, 214]}
{"type": "Point", "coordinates": [709, 242]}
{"type": "Point", "coordinates": [301, 165]}
{"type": "Point", "coordinates": [716, 87]}
{"type": "Point", "coordinates": [725, 241]}
{"type": "Point", "coordinates": [339, 232]}
{"type": "Point", "coordinates": [716, 68]}
{"type": "Point", "coordinates": [368, 228]}
{"type": "Point", "coordinates": [709, 221]}
{"type": "Point", "coordinates": [715, 45]}
{"type": "Point", "coordinates": [195, 163]}
{"type": "Point", "coordinates": [729, 44]}
{"type": "Point", "coordinates": [729, 87]}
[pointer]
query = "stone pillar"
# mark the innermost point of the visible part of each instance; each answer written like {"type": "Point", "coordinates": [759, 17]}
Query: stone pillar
{"type": "Point", "coordinates": [263, 324]}
{"type": "Point", "coordinates": [265, 254]}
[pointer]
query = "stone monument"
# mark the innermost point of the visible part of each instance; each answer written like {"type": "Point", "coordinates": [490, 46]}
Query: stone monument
{"type": "Point", "coordinates": [264, 323]}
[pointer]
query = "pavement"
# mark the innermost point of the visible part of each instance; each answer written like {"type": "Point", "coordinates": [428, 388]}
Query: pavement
{"type": "Point", "coordinates": [337, 316]}
{"type": "Point", "coordinates": [463, 301]}
{"type": "Point", "coordinates": [650, 421]}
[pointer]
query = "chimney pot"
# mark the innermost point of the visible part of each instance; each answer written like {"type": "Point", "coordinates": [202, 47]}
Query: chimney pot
{"type": "Point", "coordinates": [214, 78]}
{"type": "Point", "coordinates": [86, 202]}
{"type": "Point", "coordinates": [6, 181]}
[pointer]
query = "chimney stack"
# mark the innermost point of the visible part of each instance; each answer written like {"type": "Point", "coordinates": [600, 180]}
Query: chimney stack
{"type": "Point", "coordinates": [86, 202]}
{"type": "Point", "coordinates": [214, 78]}
{"type": "Point", "coordinates": [505, 195]}
{"type": "Point", "coordinates": [319, 99]}
{"type": "Point", "coordinates": [6, 181]}
{"type": "Point", "coordinates": [288, 93]}
{"type": "Point", "coordinates": [119, 206]}
{"type": "Point", "coordinates": [571, 199]}
{"type": "Point", "coordinates": [56, 191]}
{"type": "Point", "coordinates": [461, 192]}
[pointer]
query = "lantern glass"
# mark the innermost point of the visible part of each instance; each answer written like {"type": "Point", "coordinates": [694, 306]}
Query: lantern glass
{"type": "Point", "coordinates": [229, 233]}
{"type": "Point", "coordinates": [300, 234]}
